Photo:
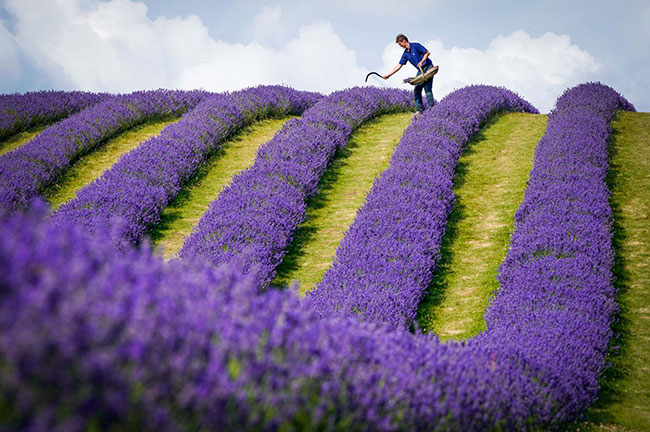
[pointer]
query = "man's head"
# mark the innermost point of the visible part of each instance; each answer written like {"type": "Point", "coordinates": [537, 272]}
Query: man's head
{"type": "Point", "coordinates": [402, 41]}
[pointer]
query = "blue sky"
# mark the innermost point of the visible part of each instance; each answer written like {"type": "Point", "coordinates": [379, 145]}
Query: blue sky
{"type": "Point", "coordinates": [536, 48]}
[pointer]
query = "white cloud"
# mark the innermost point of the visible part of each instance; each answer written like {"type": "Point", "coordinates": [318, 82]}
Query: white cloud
{"type": "Point", "coordinates": [379, 7]}
{"type": "Point", "coordinates": [539, 69]}
{"type": "Point", "coordinates": [115, 46]}
{"type": "Point", "coordinates": [315, 60]}
{"type": "Point", "coordinates": [11, 69]}
{"type": "Point", "coordinates": [267, 26]}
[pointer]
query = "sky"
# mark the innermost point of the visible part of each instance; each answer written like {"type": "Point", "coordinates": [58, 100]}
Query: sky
{"type": "Point", "coordinates": [537, 48]}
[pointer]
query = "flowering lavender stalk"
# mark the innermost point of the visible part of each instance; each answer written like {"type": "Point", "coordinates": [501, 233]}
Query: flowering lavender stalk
{"type": "Point", "coordinates": [385, 262]}
{"type": "Point", "coordinates": [27, 170]}
{"type": "Point", "coordinates": [22, 111]}
{"type": "Point", "coordinates": [254, 218]}
{"type": "Point", "coordinates": [134, 191]}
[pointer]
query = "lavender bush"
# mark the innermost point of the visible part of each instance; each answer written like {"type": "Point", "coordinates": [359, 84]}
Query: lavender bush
{"type": "Point", "coordinates": [23, 111]}
{"type": "Point", "coordinates": [27, 170]}
{"type": "Point", "coordinates": [94, 339]}
{"type": "Point", "coordinates": [556, 303]}
{"type": "Point", "coordinates": [91, 339]}
{"type": "Point", "coordinates": [254, 218]}
{"type": "Point", "coordinates": [385, 262]}
{"type": "Point", "coordinates": [129, 197]}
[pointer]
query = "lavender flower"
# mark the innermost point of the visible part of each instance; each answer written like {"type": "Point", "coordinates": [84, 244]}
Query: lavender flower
{"type": "Point", "coordinates": [385, 262]}
{"type": "Point", "coordinates": [90, 338]}
{"type": "Point", "coordinates": [23, 111]}
{"type": "Point", "coordinates": [27, 170]}
{"type": "Point", "coordinates": [556, 303]}
{"type": "Point", "coordinates": [130, 196]}
{"type": "Point", "coordinates": [254, 218]}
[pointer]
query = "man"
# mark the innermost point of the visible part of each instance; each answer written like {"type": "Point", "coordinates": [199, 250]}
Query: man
{"type": "Point", "coordinates": [419, 57]}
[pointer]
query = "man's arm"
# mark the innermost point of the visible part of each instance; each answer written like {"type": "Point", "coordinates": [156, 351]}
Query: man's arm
{"type": "Point", "coordinates": [395, 69]}
{"type": "Point", "coordinates": [424, 58]}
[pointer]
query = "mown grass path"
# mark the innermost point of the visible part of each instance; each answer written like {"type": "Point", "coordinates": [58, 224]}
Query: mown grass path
{"type": "Point", "coordinates": [15, 141]}
{"type": "Point", "coordinates": [489, 183]}
{"type": "Point", "coordinates": [343, 190]}
{"type": "Point", "coordinates": [184, 212]}
{"type": "Point", "coordinates": [92, 165]}
{"type": "Point", "coordinates": [624, 401]}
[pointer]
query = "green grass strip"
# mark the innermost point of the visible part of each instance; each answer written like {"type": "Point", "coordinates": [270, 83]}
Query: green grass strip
{"type": "Point", "coordinates": [15, 141]}
{"type": "Point", "coordinates": [92, 165]}
{"type": "Point", "coordinates": [184, 212]}
{"type": "Point", "coordinates": [624, 401]}
{"type": "Point", "coordinates": [489, 183]}
{"type": "Point", "coordinates": [343, 190]}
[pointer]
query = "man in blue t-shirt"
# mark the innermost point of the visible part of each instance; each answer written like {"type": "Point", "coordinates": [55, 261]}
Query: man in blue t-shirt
{"type": "Point", "coordinates": [418, 56]}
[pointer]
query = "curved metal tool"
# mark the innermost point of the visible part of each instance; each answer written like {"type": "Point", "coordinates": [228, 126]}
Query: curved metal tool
{"type": "Point", "coordinates": [373, 73]}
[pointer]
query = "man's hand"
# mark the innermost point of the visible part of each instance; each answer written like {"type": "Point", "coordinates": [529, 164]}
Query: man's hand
{"type": "Point", "coordinates": [424, 58]}
{"type": "Point", "coordinates": [395, 69]}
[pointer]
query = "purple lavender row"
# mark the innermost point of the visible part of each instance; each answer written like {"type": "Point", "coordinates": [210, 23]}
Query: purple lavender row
{"type": "Point", "coordinates": [254, 218]}
{"type": "Point", "coordinates": [22, 111]}
{"type": "Point", "coordinates": [385, 262]}
{"type": "Point", "coordinates": [27, 170]}
{"type": "Point", "coordinates": [131, 195]}
{"type": "Point", "coordinates": [556, 303]}
{"type": "Point", "coordinates": [94, 339]}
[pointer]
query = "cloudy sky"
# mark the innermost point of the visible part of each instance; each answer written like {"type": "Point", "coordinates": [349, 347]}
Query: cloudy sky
{"type": "Point", "coordinates": [537, 48]}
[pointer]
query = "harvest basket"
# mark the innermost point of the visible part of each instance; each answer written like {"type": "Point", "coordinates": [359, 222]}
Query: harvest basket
{"type": "Point", "coordinates": [424, 76]}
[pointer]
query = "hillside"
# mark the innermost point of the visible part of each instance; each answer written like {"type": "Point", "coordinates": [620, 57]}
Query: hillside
{"type": "Point", "coordinates": [354, 150]}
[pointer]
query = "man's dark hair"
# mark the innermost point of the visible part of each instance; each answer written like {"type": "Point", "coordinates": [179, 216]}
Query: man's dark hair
{"type": "Point", "coordinates": [401, 37]}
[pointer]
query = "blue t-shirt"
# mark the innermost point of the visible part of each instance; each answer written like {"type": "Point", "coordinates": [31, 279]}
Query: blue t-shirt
{"type": "Point", "coordinates": [414, 55]}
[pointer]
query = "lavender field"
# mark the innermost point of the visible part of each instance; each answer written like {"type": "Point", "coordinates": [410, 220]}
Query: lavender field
{"type": "Point", "coordinates": [97, 331]}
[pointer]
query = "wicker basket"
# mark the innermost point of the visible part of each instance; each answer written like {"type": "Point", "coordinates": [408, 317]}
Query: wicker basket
{"type": "Point", "coordinates": [425, 76]}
